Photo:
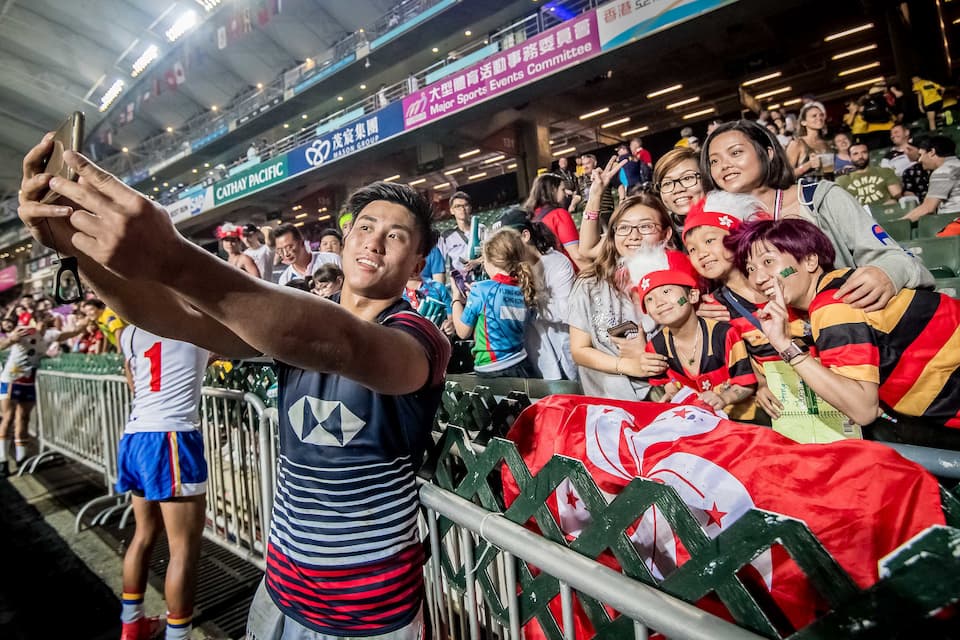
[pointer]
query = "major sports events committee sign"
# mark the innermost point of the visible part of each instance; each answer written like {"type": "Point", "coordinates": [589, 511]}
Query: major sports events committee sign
{"type": "Point", "coordinates": [559, 48]}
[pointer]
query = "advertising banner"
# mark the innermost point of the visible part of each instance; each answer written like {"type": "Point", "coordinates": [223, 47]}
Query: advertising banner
{"type": "Point", "coordinates": [191, 205]}
{"type": "Point", "coordinates": [250, 181]}
{"type": "Point", "coordinates": [348, 139]}
{"type": "Point", "coordinates": [623, 21]}
{"type": "Point", "coordinates": [8, 277]}
{"type": "Point", "coordinates": [544, 54]}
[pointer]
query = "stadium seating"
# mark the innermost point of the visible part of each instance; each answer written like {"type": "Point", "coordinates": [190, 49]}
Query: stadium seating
{"type": "Point", "coordinates": [929, 226]}
{"type": "Point", "coordinates": [885, 213]}
{"type": "Point", "coordinates": [949, 286]}
{"type": "Point", "coordinates": [940, 255]}
{"type": "Point", "coordinates": [899, 230]}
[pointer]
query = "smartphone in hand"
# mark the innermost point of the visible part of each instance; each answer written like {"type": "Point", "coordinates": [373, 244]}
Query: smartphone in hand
{"type": "Point", "coordinates": [68, 137]}
{"type": "Point", "coordinates": [628, 329]}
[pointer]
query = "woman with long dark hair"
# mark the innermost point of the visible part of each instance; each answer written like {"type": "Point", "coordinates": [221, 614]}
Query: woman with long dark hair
{"type": "Point", "coordinates": [550, 201]}
{"type": "Point", "coordinates": [607, 331]}
{"type": "Point", "coordinates": [743, 157]}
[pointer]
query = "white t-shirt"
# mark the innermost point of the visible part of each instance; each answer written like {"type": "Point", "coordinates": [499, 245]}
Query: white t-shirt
{"type": "Point", "coordinates": [548, 336]}
{"type": "Point", "coordinates": [25, 355]}
{"type": "Point", "coordinates": [945, 185]}
{"type": "Point", "coordinates": [167, 375]}
{"type": "Point", "coordinates": [262, 256]}
{"type": "Point", "coordinates": [453, 244]}
{"type": "Point", "coordinates": [317, 259]}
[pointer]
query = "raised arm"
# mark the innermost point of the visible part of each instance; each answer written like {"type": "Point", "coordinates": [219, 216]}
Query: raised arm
{"type": "Point", "coordinates": [589, 247]}
{"type": "Point", "coordinates": [146, 304]}
{"type": "Point", "coordinates": [292, 326]}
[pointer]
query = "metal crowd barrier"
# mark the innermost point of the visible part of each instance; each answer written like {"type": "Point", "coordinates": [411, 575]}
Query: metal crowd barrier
{"type": "Point", "coordinates": [488, 575]}
{"type": "Point", "coordinates": [82, 416]}
{"type": "Point", "coordinates": [457, 613]}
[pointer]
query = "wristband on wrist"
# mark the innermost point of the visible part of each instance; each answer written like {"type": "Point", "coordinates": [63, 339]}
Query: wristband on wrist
{"type": "Point", "coordinates": [616, 366]}
{"type": "Point", "coordinates": [591, 215]}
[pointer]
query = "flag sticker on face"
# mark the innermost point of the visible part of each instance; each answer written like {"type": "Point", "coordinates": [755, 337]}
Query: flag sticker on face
{"type": "Point", "coordinates": [682, 301]}
{"type": "Point", "coordinates": [789, 271]}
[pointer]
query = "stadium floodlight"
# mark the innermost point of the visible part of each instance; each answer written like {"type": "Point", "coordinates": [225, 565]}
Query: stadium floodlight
{"type": "Point", "coordinates": [112, 93]}
{"type": "Point", "coordinates": [183, 24]}
{"type": "Point", "coordinates": [141, 63]}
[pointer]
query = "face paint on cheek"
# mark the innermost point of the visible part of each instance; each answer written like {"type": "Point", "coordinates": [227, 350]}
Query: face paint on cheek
{"type": "Point", "coordinates": [789, 271]}
{"type": "Point", "coordinates": [682, 301]}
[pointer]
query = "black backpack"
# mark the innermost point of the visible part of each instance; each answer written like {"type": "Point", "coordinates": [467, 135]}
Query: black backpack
{"type": "Point", "coordinates": [875, 109]}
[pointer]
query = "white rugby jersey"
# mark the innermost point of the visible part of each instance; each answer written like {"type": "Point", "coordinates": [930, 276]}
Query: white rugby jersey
{"type": "Point", "coordinates": [167, 375]}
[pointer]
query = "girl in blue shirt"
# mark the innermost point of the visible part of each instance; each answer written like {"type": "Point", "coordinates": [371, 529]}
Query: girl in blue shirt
{"type": "Point", "coordinates": [497, 310]}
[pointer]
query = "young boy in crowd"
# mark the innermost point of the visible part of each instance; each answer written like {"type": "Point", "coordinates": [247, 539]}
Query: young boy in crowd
{"type": "Point", "coordinates": [706, 356]}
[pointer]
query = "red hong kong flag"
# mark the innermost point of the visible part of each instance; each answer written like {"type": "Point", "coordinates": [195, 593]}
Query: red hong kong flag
{"type": "Point", "coordinates": [861, 499]}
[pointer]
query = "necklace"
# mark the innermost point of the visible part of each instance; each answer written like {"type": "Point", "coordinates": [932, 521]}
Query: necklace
{"type": "Point", "coordinates": [694, 353]}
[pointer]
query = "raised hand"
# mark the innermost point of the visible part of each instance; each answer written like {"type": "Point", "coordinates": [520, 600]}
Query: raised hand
{"type": "Point", "coordinates": [116, 226]}
{"type": "Point", "coordinates": [774, 319]}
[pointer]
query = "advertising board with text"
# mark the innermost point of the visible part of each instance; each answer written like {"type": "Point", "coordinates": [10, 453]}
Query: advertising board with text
{"type": "Point", "coordinates": [622, 21]}
{"type": "Point", "coordinates": [542, 55]}
{"type": "Point", "coordinates": [361, 133]}
{"type": "Point", "coordinates": [250, 181]}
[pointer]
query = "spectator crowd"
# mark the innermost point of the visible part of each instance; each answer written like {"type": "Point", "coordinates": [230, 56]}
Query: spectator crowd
{"type": "Point", "coordinates": [687, 278]}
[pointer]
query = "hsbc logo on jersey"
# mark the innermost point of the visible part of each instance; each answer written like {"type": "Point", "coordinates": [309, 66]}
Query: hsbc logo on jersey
{"type": "Point", "coordinates": [326, 423]}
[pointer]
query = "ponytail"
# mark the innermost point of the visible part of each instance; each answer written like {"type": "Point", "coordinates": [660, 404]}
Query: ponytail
{"type": "Point", "coordinates": [527, 282]}
{"type": "Point", "coordinates": [505, 249]}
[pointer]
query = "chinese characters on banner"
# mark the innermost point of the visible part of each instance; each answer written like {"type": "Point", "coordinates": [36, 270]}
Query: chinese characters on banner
{"type": "Point", "coordinates": [363, 132]}
{"type": "Point", "coordinates": [559, 48]}
{"type": "Point", "coordinates": [622, 21]}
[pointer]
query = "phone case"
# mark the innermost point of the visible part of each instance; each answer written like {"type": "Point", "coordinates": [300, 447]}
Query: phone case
{"type": "Point", "coordinates": [69, 137]}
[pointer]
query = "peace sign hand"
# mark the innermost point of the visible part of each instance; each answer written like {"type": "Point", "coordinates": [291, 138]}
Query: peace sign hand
{"type": "Point", "coordinates": [774, 319]}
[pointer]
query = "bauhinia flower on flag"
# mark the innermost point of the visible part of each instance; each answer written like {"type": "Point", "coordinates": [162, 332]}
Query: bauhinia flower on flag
{"type": "Point", "coordinates": [860, 499]}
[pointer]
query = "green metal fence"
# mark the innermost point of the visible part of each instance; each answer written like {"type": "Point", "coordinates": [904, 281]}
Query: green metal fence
{"type": "Point", "coordinates": [921, 577]}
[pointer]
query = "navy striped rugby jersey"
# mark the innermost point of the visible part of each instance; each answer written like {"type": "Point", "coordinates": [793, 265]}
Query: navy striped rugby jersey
{"type": "Point", "coordinates": [344, 558]}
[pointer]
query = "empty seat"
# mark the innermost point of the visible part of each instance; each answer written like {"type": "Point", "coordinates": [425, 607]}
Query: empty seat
{"type": "Point", "coordinates": [930, 226]}
{"type": "Point", "coordinates": [884, 213]}
{"type": "Point", "coordinates": [949, 286]}
{"type": "Point", "coordinates": [899, 230]}
{"type": "Point", "coordinates": [940, 255]}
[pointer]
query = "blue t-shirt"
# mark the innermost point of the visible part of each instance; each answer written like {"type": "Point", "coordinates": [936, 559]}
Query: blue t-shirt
{"type": "Point", "coordinates": [344, 556]}
{"type": "Point", "coordinates": [498, 313]}
{"type": "Point", "coordinates": [434, 264]}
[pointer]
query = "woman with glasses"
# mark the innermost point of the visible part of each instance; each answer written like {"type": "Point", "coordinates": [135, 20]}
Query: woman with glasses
{"type": "Point", "coordinates": [550, 201]}
{"type": "Point", "coordinates": [608, 334]}
{"type": "Point", "coordinates": [743, 157]}
{"type": "Point", "coordinates": [677, 179]}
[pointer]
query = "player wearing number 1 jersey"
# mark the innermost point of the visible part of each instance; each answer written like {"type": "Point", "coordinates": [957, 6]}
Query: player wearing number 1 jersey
{"type": "Point", "coordinates": [160, 461]}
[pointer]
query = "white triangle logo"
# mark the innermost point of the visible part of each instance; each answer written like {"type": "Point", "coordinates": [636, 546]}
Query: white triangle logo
{"type": "Point", "coordinates": [332, 424]}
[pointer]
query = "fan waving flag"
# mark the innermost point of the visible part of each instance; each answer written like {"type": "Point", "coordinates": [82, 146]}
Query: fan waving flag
{"type": "Point", "coordinates": [860, 499]}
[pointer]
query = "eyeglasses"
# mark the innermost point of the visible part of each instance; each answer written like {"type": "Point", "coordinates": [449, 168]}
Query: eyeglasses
{"type": "Point", "coordinates": [644, 228]}
{"type": "Point", "coordinates": [461, 206]}
{"type": "Point", "coordinates": [287, 251]}
{"type": "Point", "coordinates": [686, 181]}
